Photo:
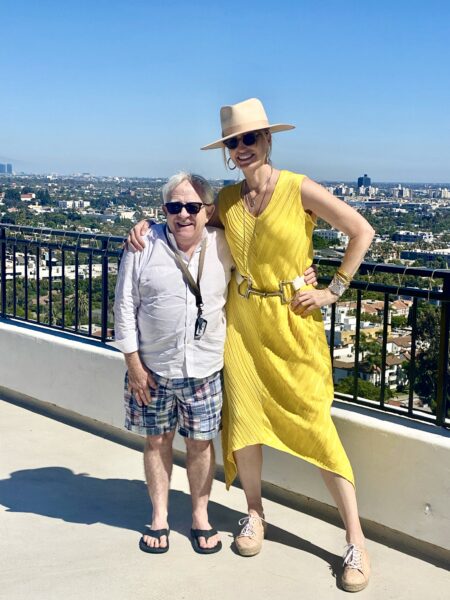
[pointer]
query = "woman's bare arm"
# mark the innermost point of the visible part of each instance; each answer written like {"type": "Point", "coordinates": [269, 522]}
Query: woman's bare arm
{"type": "Point", "coordinates": [342, 217]}
{"type": "Point", "coordinates": [317, 200]}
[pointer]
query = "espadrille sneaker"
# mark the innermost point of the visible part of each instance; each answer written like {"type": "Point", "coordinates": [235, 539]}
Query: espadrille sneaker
{"type": "Point", "coordinates": [356, 569]}
{"type": "Point", "coordinates": [249, 540]}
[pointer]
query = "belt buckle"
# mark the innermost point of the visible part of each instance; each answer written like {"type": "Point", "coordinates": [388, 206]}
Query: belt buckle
{"type": "Point", "coordinates": [247, 293]}
{"type": "Point", "coordinates": [282, 284]}
{"type": "Point", "coordinates": [281, 292]}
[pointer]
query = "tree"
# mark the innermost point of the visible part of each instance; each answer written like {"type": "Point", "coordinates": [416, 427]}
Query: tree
{"type": "Point", "coordinates": [426, 371]}
{"type": "Point", "coordinates": [12, 194]}
{"type": "Point", "coordinates": [83, 305]}
{"type": "Point", "coordinates": [44, 197]}
{"type": "Point", "coordinates": [12, 198]}
{"type": "Point", "coordinates": [365, 389]}
{"type": "Point", "coordinates": [370, 350]}
{"type": "Point", "coordinates": [398, 321]}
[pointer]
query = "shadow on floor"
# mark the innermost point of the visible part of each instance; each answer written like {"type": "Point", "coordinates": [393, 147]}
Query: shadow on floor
{"type": "Point", "coordinates": [58, 493]}
{"type": "Point", "coordinates": [380, 534]}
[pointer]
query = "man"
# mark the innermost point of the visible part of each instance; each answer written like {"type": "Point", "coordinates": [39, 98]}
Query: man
{"type": "Point", "coordinates": [170, 325]}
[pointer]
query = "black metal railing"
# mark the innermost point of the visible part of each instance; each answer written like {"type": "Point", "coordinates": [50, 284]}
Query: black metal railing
{"type": "Point", "coordinates": [64, 280]}
{"type": "Point", "coordinates": [432, 288]}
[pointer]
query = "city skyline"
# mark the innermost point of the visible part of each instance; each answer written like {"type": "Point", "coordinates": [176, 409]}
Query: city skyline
{"type": "Point", "coordinates": [352, 182]}
{"type": "Point", "coordinates": [129, 89]}
{"type": "Point", "coordinates": [355, 181]}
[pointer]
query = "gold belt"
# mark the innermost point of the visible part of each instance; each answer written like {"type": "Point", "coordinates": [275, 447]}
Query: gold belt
{"type": "Point", "coordinates": [293, 284]}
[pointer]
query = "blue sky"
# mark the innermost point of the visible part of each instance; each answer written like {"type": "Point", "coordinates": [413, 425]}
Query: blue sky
{"type": "Point", "coordinates": [134, 88]}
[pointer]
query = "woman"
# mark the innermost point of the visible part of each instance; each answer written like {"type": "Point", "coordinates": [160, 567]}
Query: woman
{"type": "Point", "coordinates": [278, 377]}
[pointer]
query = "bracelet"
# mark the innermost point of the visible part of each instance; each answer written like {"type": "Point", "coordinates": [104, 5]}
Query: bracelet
{"type": "Point", "coordinates": [343, 275]}
{"type": "Point", "coordinates": [338, 286]}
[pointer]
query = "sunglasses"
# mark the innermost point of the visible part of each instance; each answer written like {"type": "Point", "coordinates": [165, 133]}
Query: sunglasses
{"type": "Point", "coordinates": [192, 208]}
{"type": "Point", "coordinates": [248, 139]}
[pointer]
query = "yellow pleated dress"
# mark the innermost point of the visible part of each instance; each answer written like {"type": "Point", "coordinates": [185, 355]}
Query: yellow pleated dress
{"type": "Point", "coordinates": [277, 374]}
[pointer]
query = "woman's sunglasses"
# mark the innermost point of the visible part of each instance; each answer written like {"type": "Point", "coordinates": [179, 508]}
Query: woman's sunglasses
{"type": "Point", "coordinates": [248, 139]}
{"type": "Point", "coordinates": [192, 208]}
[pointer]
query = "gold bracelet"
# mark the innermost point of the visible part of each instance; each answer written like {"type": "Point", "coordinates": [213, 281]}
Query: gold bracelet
{"type": "Point", "coordinates": [341, 280]}
{"type": "Point", "coordinates": [344, 275]}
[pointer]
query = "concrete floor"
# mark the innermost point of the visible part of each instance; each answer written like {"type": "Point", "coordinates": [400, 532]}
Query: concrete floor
{"type": "Point", "coordinates": [72, 505]}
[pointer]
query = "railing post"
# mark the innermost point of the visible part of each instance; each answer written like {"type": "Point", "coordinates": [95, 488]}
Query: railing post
{"type": "Point", "coordinates": [3, 268]}
{"type": "Point", "coordinates": [104, 290]}
{"type": "Point", "coordinates": [442, 382]}
{"type": "Point", "coordinates": [357, 344]}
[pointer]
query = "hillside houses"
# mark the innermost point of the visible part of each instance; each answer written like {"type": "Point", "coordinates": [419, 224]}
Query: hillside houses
{"type": "Point", "coordinates": [371, 331]}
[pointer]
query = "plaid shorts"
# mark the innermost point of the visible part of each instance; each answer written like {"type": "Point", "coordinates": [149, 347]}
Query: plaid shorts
{"type": "Point", "coordinates": [194, 404]}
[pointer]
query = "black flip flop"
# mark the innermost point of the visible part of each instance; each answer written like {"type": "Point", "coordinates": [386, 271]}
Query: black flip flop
{"type": "Point", "coordinates": [155, 533]}
{"type": "Point", "coordinates": [206, 533]}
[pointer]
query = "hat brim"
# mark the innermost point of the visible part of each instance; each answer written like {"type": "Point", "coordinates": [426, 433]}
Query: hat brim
{"type": "Point", "coordinates": [272, 128]}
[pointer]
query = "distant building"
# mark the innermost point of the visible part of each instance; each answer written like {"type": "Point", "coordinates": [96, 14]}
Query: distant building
{"type": "Point", "coordinates": [413, 236]}
{"type": "Point", "coordinates": [332, 234]}
{"type": "Point", "coordinates": [127, 214]}
{"type": "Point", "coordinates": [6, 169]}
{"type": "Point", "coordinates": [425, 255]}
{"type": "Point", "coordinates": [364, 181]}
{"type": "Point", "coordinates": [401, 192]}
{"type": "Point", "coordinates": [67, 204]}
{"type": "Point", "coordinates": [341, 190]}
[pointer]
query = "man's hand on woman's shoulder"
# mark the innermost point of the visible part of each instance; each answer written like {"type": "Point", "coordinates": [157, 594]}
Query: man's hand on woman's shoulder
{"type": "Point", "coordinates": [135, 240]}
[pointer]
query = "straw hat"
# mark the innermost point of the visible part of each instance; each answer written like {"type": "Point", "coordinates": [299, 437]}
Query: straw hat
{"type": "Point", "coordinates": [239, 118]}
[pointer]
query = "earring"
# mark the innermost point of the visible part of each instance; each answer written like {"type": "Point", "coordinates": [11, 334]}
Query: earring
{"type": "Point", "coordinates": [228, 164]}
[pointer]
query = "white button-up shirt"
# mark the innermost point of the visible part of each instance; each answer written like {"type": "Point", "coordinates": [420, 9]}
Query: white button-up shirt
{"type": "Point", "coordinates": [155, 311]}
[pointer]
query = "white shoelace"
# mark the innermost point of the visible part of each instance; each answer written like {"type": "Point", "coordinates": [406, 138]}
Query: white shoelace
{"type": "Point", "coordinates": [353, 557]}
{"type": "Point", "coordinates": [247, 530]}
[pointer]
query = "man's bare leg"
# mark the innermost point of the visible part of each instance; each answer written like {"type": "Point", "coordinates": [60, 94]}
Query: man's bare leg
{"type": "Point", "coordinates": [200, 472]}
{"type": "Point", "coordinates": [158, 462]}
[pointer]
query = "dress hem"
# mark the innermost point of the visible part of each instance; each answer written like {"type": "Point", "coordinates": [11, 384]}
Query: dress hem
{"type": "Point", "coordinates": [311, 460]}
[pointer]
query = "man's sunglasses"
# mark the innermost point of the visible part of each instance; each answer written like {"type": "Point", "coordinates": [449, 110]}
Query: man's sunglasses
{"type": "Point", "coordinates": [192, 208]}
{"type": "Point", "coordinates": [248, 139]}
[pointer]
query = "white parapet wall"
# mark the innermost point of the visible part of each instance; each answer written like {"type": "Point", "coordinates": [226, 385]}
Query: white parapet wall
{"type": "Point", "coordinates": [402, 471]}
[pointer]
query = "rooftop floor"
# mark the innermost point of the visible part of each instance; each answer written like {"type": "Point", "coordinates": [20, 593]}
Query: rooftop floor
{"type": "Point", "coordinates": [72, 505]}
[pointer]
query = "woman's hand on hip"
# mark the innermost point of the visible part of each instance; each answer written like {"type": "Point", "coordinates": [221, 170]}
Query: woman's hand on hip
{"type": "Point", "coordinates": [304, 303]}
{"type": "Point", "coordinates": [310, 275]}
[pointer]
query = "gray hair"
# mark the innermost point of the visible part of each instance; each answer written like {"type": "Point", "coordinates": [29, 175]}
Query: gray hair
{"type": "Point", "coordinates": [199, 183]}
